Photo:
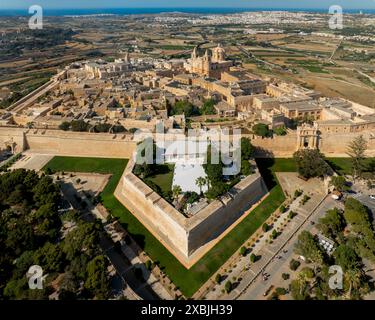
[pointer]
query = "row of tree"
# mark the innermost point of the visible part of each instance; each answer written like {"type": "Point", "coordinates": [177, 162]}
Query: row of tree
{"type": "Point", "coordinates": [32, 233]}
{"type": "Point", "coordinates": [189, 110]}
{"type": "Point", "coordinates": [82, 126]}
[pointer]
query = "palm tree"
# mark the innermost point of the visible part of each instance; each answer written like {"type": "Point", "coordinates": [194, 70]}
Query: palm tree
{"type": "Point", "coordinates": [354, 278]}
{"type": "Point", "coordinates": [176, 190]}
{"type": "Point", "coordinates": [200, 182]}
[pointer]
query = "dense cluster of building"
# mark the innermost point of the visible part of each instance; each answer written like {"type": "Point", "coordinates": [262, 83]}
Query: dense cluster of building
{"type": "Point", "coordinates": [139, 93]}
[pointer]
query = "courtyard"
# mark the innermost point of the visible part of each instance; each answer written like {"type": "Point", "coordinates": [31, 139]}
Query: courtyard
{"type": "Point", "coordinates": [185, 176]}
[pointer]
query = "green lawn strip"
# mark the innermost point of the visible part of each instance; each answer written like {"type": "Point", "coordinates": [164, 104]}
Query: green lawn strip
{"type": "Point", "coordinates": [222, 251]}
{"type": "Point", "coordinates": [163, 180]}
{"type": "Point", "coordinates": [343, 166]}
{"type": "Point", "coordinates": [189, 281]}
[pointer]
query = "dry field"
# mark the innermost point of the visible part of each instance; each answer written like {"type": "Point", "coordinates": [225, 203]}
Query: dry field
{"type": "Point", "coordinates": [349, 90]}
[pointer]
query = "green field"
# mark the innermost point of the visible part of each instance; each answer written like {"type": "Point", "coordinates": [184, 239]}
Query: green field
{"type": "Point", "coordinates": [343, 166]}
{"type": "Point", "coordinates": [310, 65]}
{"type": "Point", "coordinates": [189, 281]}
{"type": "Point", "coordinates": [174, 47]}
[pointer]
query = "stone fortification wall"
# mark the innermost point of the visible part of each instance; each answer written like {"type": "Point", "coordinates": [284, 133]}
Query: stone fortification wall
{"type": "Point", "coordinates": [69, 143]}
{"type": "Point", "coordinates": [336, 144]}
{"type": "Point", "coordinates": [213, 220]}
{"type": "Point", "coordinates": [121, 145]}
{"type": "Point", "coordinates": [183, 236]}
{"type": "Point", "coordinates": [80, 143]}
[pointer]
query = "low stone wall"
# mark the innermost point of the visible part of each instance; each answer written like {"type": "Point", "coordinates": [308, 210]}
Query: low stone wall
{"type": "Point", "coordinates": [180, 235]}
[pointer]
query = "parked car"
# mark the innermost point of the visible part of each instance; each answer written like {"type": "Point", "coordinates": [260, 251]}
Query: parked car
{"type": "Point", "coordinates": [372, 197]}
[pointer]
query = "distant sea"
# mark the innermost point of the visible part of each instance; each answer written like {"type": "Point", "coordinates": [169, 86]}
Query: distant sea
{"type": "Point", "coordinates": [200, 10]}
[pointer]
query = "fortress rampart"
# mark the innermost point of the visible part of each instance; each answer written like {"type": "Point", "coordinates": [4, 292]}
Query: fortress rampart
{"type": "Point", "coordinates": [121, 145]}
{"type": "Point", "coordinates": [185, 237]}
{"type": "Point", "coordinates": [68, 143]}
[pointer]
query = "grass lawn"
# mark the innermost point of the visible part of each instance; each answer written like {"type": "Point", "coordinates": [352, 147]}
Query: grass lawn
{"type": "Point", "coordinates": [343, 166]}
{"type": "Point", "coordinates": [189, 281]}
{"type": "Point", "coordinates": [164, 178]}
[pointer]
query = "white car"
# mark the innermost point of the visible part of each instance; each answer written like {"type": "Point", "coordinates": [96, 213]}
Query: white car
{"type": "Point", "coordinates": [372, 197]}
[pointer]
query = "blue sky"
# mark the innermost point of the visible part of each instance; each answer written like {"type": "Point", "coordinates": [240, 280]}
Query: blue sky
{"type": "Point", "coordinates": [55, 4]}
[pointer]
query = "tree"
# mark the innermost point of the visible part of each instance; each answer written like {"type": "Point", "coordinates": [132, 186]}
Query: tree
{"type": "Point", "coordinates": [245, 168]}
{"type": "Point", "coordinates": [64, 126]}
{"type": "Point", "coordinates": [218, 189]}
{"type": "Point", "coordinates": [18, 289]}
{"type": "Point", "coordinates": [299, 290]}
{"type": "Point", "coordinates": [228, 286]}
{"type": "Point", "coordinates": [265, 227]}
{"type": "Point", "coordinates": [243, 251]}
{"type": "Point", "coordinates": [148, 265]}
{"type": "Point", "coordinates": [69, 284]}
{"type": "Point", "coordinates": [214, 171]}
{"type": "Point", "coordinates": [308, 247]}
{"type": "Point", "coordinates": [355, 278]}
{"type": "Point", "coordinates": [200, 182]}
{"type": "Point", "coordinates": [247, 149]}
{"type": "Point", "coordinates": [50, 257]}
{"type": "Point", "coordinates": [307, 273]}
{"type": "Point", "coordinates": [356, 215]}
{"type": "Point", "coordinates": [45, 191]}
{"type": "Point", "coordinates": [96, 281]}
{"type": "Point", "coordinates": [280, 131]}
{"type": "Point", "coordinates": [184, 107]}
{"type": "Point", "coordinates": [346, 257]}
{"type": "Point", "coordinates": [218, 278]}
{"type": "Point", "coordinates": [356, 151]}
{"type": "Point", "coordinates": [253, 258]}
{"type": "Point", "coordinates": [311, 163]}
{"type": "Point", "coordinates": [102, 127]}
{"type": "Point", "coordinates": [339, 183]}
{"type": "Point", "coordinates": [82, 239]}
{"type": "Point", "coordinates": [176, 190]}
{"type": "Point", "coordinates": [285, 276]}
{"type": "Point", "coordinates": [261, 129]}
{"type": "Point", "coordinates": [208, 107]}
{"type": "Point", "coordinates": [332, 223]}
{"type": "Point", "coordinates": [294, 264]}
{"type": "Point", "coordinates": [79, 125]}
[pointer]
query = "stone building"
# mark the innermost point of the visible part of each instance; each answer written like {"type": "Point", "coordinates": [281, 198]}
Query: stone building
{"type": "Point", "coordinates": [209, 65]}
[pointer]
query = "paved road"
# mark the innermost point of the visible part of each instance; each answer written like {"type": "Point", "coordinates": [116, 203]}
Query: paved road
{"type": "Point", "coordinates": [279, 266]}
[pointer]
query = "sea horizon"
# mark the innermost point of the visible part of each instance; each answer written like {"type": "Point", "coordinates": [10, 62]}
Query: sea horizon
{"type": "Point", "coordinates": [159, 10]}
